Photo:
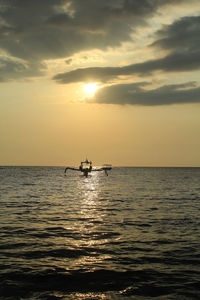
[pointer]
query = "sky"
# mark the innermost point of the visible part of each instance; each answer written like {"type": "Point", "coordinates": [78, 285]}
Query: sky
{"type": "Point", "coordinates": [117, 81]}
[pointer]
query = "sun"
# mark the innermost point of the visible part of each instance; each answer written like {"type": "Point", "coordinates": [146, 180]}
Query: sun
{"type": "Point", "coordinates": [90, 89]}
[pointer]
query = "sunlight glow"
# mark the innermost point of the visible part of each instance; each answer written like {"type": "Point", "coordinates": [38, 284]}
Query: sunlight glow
{"type": "Point", "coordinates": [90, 89]}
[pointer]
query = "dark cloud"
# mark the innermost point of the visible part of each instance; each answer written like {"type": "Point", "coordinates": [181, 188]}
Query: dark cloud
{"type": "Point", "coordinates": [137, 94]}
{"type": "Point", "coordinates": [37, 30]}
{"type": "Point", "coordinates": [182, 38]}
{"type": "Point", "coordinates": [68, 61]}
{"type": "Point", "coordinates": [11, 68]}
{"type": "Point", "coordinates": [89, 74]}
{"type": "Point", "coordinates": [175, 62]}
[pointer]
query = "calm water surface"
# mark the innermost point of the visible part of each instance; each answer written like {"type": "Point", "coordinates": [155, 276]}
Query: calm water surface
{"type": "Point", "coordinates": [132, 235]}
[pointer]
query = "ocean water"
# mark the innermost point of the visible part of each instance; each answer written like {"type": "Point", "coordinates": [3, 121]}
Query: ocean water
{"type": "Point", "coordinates": [132, 235]}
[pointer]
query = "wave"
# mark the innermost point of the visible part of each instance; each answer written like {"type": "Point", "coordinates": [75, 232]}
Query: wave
{"type": "Point", "coordinates": [146, 283]}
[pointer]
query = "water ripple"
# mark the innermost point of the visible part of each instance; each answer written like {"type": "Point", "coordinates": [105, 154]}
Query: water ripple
{"type": "Point", "coordinates": [134, 234]}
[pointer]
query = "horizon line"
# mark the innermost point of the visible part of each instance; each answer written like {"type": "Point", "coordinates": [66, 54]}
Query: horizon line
{"type": "Point", "coordinates": [113, 166]}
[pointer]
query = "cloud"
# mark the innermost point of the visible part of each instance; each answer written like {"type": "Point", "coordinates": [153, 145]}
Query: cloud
{"type": "Point", "coordinates": [136, 94]}
{"type": "Point", "coordinates": [11, 68]}
{"type": "Point", "coordinates": [48, 29]}
{"type": "Point", "coordinates": [68, 61]}
{"type": "Point", "coordinates": [89, 74]}
{"type": "Point", "coordinates": [34, 31]}
{"type": "Point", "coordinates": [182, 35]}
{"type": "Point", "coordinates": [182, 38]}
{"type": "Point", "coordinates": [175, 62]}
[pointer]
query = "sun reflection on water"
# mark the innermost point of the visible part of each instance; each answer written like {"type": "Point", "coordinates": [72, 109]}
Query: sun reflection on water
{"type": "Point", "coordinates": [89, 191]}
{"type": "Point", "coordinates": [92, 222]}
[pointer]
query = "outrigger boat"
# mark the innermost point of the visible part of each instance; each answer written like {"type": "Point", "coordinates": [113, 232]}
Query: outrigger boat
{"type": "Point", "coordinates": [86, 168]}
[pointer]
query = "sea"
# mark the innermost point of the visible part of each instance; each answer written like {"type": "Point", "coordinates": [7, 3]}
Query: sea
{"type": "Point", "coordinates": [134, 234]}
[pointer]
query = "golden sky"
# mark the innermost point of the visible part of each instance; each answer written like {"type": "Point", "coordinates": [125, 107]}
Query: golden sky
{"type": "Point", "coordinates": [117, 81]}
